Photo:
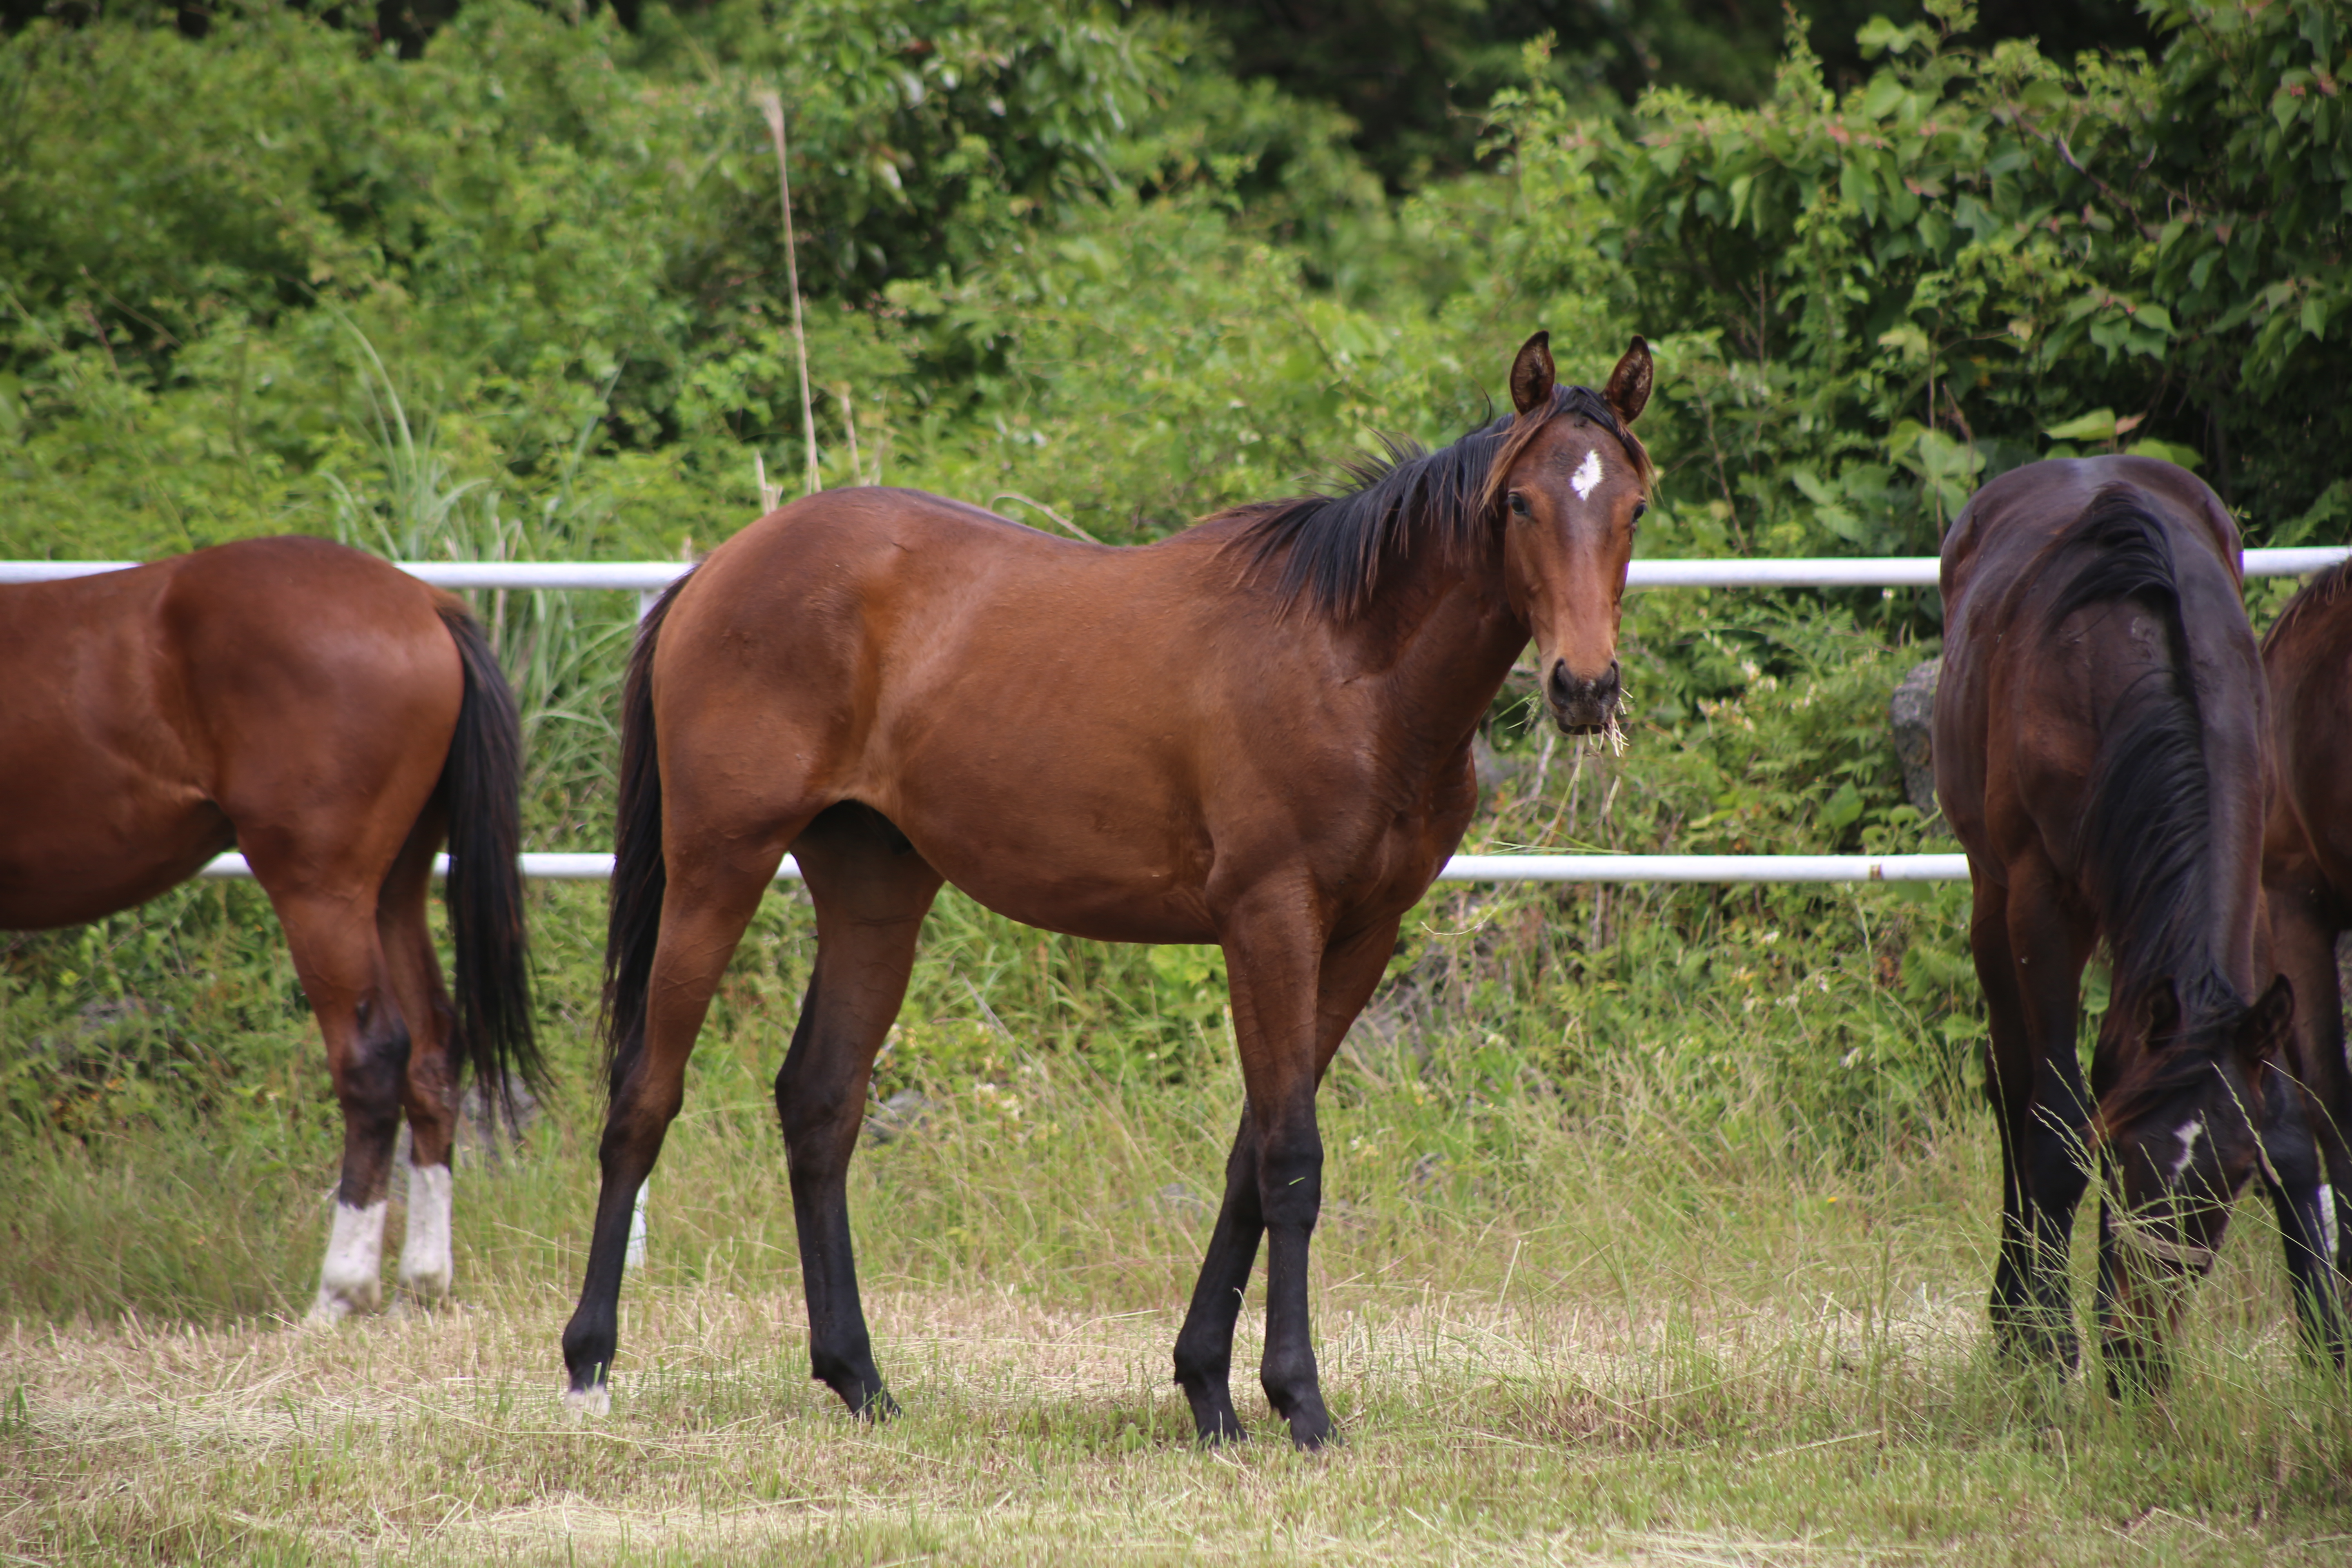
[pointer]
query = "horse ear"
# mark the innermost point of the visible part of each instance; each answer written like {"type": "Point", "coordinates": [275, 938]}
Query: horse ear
{"type": "Point", "coordinates": [1532, 375]}
{"type": "Point", "coordinates": [2264, 1027]}
{"type": "Point", "coordinates": [1629, 384]}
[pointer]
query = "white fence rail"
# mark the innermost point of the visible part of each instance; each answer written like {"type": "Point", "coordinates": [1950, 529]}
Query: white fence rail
{"type": "Point", "coordinates": [1733, 572]}
{"type": "Point", "coordinates": [646, 579]}
{"type": "Point", "coordinates": [1461, 868]}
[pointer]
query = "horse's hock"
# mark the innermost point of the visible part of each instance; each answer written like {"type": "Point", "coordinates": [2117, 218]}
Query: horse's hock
{"type": "Point", "coordinates": [1911, 714]}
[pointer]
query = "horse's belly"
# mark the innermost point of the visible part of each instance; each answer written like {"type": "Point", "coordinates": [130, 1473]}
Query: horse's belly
{"type": "Point", "coordinates": [1096, 902]}
{"type": "Point", "coordinates": [71, 874]}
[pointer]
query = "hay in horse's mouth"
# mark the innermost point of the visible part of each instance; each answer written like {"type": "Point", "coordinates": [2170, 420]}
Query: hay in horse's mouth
{"type": "Point", "coordinates": [1610, 731]}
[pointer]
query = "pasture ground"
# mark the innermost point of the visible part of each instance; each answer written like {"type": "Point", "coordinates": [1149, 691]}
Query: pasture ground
{"type": "Point", "coordinates": [1594, 1341]}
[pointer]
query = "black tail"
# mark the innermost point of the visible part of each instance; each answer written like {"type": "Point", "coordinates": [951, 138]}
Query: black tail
{"type": "Point", "coordinates": [639, 876]}
{"type": "Point", "coordinates": [482, 785]}
{"type": "Point", "coordinates": [2148, 819]}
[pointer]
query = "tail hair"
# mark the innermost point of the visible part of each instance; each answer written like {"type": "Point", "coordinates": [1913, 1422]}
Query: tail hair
{"type": "Point", "coordinates": [640, 876]}
{"type": "Point", "coordinates": [482, 788]}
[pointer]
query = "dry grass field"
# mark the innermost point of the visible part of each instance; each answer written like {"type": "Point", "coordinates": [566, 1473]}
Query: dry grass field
{"type": "Point", "coordinates": [1624, 1349]}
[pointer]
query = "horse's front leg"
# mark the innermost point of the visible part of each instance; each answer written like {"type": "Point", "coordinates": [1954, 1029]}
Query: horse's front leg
{"type": "Point", "coordinates": [2029, 957]}
{"type": "Point", "coordinates": [2305, 1203]}
{"type": "Point", "coordinates": [1289, 1016]}
{"type": "Point", "coordinates": [1204, 1348]}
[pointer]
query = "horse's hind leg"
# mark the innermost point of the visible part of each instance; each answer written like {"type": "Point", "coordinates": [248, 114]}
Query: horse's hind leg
{"type": "Point", "coordinates": [333, 940]}
{"type": "Point", "coordinates": [429, 1087]}
{"type": "Point", "coordinates": [871, 891]}
{"type": "Point", "coordinates": [2035, 1082]}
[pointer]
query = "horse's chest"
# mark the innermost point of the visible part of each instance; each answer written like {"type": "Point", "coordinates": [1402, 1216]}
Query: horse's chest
{"type": "Point", "coordinates": [1400, 856]}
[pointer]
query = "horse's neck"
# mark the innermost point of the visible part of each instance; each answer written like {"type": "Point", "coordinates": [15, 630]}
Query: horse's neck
{"type": "Point", "coordinates": [1438, 643]}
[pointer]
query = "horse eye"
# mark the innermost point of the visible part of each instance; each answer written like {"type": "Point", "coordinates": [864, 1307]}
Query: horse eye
{"type": "Point", "coordinates": [1639, 508]}
{"type": "Point", "coordinates": [1518, 504]}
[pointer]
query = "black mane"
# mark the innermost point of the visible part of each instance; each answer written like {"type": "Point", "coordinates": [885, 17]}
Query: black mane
{"type": "Point", "coordinates": [2147, 828]}
{"type": "Point", "coordinates": [1332, 549]}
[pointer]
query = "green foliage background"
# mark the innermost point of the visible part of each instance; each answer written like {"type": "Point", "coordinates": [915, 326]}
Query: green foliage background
{"type": "Point", "coordinates": [523, 297]}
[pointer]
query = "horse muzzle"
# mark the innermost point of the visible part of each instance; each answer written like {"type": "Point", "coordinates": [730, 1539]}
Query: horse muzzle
{"type": "Point", "coordinates": [1582, 705]}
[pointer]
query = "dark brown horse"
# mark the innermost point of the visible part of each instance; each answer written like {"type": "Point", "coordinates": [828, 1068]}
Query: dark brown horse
{"type": "Point", "coordinates": [331, 717]}
{"type": "Point", "coordinates": [2102, 750]}
{"type": "Point", "coordinates": [1256, 734]}
{"type": "Point", "coordinates": [2307, 868]}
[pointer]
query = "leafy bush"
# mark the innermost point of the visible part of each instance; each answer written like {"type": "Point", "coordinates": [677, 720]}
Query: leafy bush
{"type": "Point", "coordinates": [1879, 300]}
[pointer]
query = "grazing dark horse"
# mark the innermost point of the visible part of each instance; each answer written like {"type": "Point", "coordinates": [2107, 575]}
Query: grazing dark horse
{"type": "Point", "coordinates": [1255, 732]}
{"type": "Point", "coordinates": [2102, 750]}
{"type": "Point", "coordinates": [2307, 866]}
{"type": "Point", "coordinates": [333, 717]}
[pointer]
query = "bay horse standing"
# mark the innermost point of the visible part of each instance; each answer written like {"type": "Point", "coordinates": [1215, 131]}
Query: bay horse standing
{"type": "Point", "coordinates": [333, 718]}
{"type": "Point", "coordinates": [1255, 732]}
{"type": "Point", "coordinates": [2307, 868]}
{"type": "Point", "coordinates": [2103, 752]}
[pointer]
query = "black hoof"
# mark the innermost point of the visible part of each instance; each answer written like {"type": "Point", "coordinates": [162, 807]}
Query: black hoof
{"type": "Point", "coordinates": [870, 1405]}
{"type": "Point", "coordinates": [1222, 1430]}
{"type": "Point", "coordinates": [1314, 1435]}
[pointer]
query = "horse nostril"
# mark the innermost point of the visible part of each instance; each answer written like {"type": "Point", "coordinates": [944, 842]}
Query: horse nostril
{"type": "Point", "coordinates": [1567, 689]}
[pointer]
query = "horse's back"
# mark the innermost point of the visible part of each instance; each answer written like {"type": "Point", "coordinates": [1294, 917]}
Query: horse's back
{"type": "Point", "coordinates": [2015, 554]}
{"type": "Point", "coordinates": [1992, 546]}
{"type": "Point", "coordinates": [158, 713]}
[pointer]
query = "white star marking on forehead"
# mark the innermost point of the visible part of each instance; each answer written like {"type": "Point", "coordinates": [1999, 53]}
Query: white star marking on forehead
{"type": "Point", "coordinates": [1587, 476]}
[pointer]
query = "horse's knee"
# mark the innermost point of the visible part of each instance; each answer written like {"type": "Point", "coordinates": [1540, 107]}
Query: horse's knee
{"type": "Point", "coordinates": [2057, 1165]}
{"type": "Point", "coordinates": [809, 1118]}
{"type": "Point", "coordinates": [814, 1111]}
{"type": "Point", "coordinates": [1290, 1181]}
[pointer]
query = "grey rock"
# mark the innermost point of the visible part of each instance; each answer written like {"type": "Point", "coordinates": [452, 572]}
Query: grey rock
{"type": "Point", "coordinates": [484, 1132]}
{"type": "Point", "coordinates": [898, 1116]}
{"type": "Point", "coordinates": [1911, 715]}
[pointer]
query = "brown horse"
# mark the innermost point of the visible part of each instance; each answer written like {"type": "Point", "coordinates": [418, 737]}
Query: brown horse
{"type": "Point", "coordinates": [2307, 866]}
{"type": "Point", "coordinates": [331, 717]}
{"type": "Point", "coordinates": [1255, 732]}
{"type": "Point", "coordinates": [2102, 750]}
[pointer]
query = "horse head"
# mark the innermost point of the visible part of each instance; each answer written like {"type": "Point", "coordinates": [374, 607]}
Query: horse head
{"type": "Point", "coordinates": [2180, 1133]}
{"type": "Point", "coordinates": [1572, 481]}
